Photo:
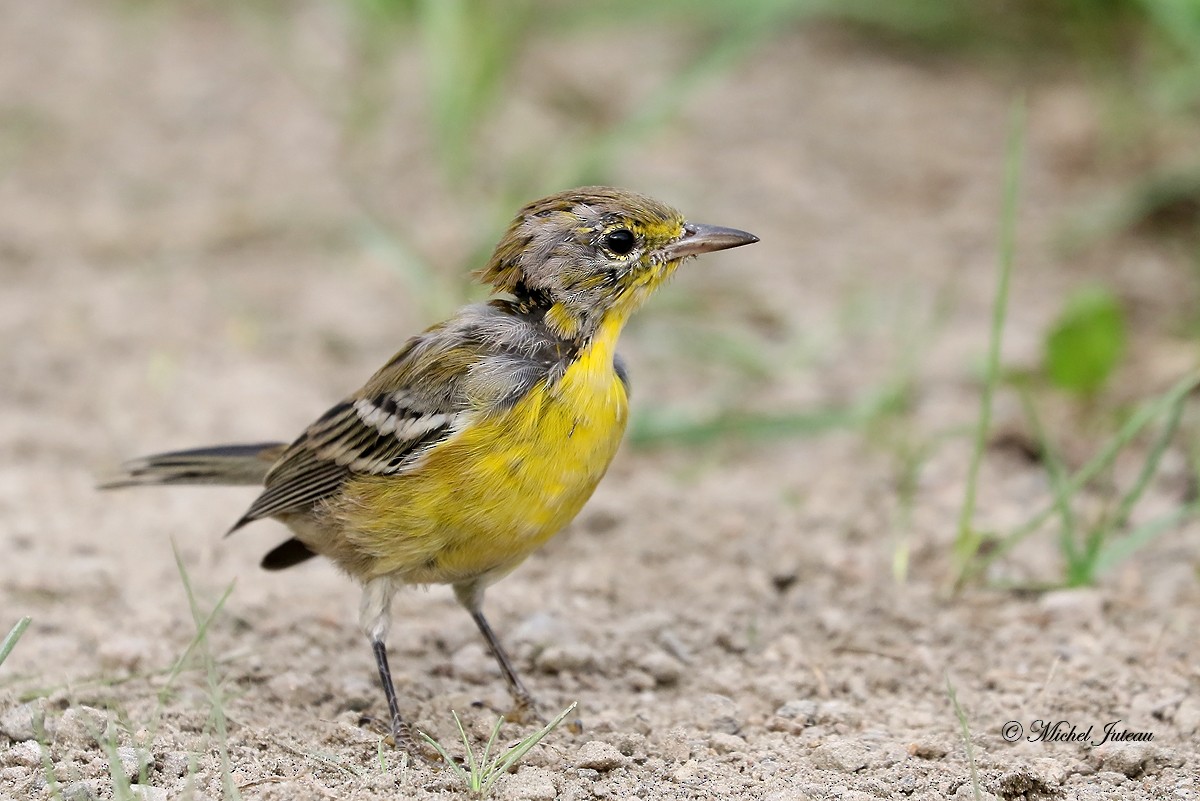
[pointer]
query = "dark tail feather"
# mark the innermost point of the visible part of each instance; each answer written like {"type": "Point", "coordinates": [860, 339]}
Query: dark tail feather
{"type": "Point", "coordinates": [287, 554]}
{"type": "Point", "coordinates": [223, 464]}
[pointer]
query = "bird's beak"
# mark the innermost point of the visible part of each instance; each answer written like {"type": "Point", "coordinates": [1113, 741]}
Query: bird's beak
{"type": "Point", "coordinates": [699, 239]}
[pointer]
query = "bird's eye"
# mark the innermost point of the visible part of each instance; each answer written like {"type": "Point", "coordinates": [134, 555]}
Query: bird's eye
{"type": "Point", "coordinates": [620, 241]}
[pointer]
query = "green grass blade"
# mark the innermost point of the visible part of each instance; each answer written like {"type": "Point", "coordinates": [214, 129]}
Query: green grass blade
{"type": "Point", "coordinates": [121, 790]}
{"type": "Point", "coordinates": [486, 760]}
{"type": "Point", "coordinates": [1115, 551]}
{"type": "Point", "coordinates": [1058, 481]}
{"type": "Point", "coordinates": [965, 731]}
{"type": "Point", "coordinates": [967, 542]}
{"type": "Point", "coordinates": [1150, 466]}
{"type": "Point", "coordinates": [201, 633]}
{"type": "Point", "coordinates": [14, 634]}
{"type": "Point", "coordinates": [474, 777]}
{"type": "Point", "coordinates": [215, 693]}
{"type": "Point", "coordinates": [1132, 427]}
{"type": "Point", "coordinates": [48, 769]}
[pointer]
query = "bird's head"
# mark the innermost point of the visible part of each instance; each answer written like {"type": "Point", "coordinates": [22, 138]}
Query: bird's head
{"type": "Point", "coordinates": [593, 255]}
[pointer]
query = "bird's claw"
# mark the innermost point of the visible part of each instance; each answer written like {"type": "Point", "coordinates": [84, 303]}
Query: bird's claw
{"type": "Point", "coordinates": [400, 736]}
{"type": "Point", "coordinates": [525, 712]}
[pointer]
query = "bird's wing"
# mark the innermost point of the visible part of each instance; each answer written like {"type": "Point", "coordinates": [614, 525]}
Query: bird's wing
{"type": "Point", "coordinates": [413, 403]}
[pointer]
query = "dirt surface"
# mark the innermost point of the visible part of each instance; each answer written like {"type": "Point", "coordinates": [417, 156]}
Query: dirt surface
{"type": "Point", "coordinates": [183, 264]}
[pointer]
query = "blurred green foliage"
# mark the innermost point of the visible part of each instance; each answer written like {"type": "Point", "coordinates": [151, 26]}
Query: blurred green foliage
{"type": "Point", "coordinates": [471, 55]}
{"type": "Point", "coordinates": [1142, 55]}
{"type": "Point", "coordinates": [970, 540]}
{"type": "Point", "coordinates": [1086, 343]}
{"type": "Point", "coordinates": [1091, 543]}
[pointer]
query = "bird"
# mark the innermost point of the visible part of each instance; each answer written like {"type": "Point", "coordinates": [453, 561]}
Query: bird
{"type": "Point", "coordinates": [483, 436]}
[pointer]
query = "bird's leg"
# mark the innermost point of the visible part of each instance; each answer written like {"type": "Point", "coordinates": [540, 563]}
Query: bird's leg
{"type": "Point", "coordinates": [375, 617]}
{"type": "Point", "coordinates": [525, 709]}
{"type": "Point", "coordinates": [402, 736]}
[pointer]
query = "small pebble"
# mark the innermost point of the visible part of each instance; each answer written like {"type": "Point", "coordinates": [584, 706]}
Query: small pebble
{"type": "Point", "coordinates": [1049, 772]}
{"type": "Point", "coordinates": [132, 761]}
{"type": "Point", "coordinates": [81, 791]}
{"type": "Point", "coordinates": [717, 713]}
{"type": "Point", "coordinates": [79, 726]}
{"type": "Point", "coordinates": [27, 754]}
{"type": "Point", "coordinates": [687, 773]}
{"type": "Point", "coordinates": [1168, 757]}
{"type": "Point", "coordinates": [1109, 777]}
{"type": "Point", "coordinates": [928, 749]}
{"type": "Point", "coordinates": [665, 668]}
{"type": "Point", "coordinates": [1129, 759]}
{"type": "Point", "coordinates": [671, 643]}
{"type": "Point", "coordinates": [674, 746]}
{"type": "Point", "coordinates": [857, 795]}
{"type": "Point", "coordinates": [639, 680]}
{"type": "Point", "coordinates": [726, 743]}
{"type": "Point", "coordinates": [800, 710]}
{"type": "Point", "coordinates": [1024, 782]}
{"type": "Point", "coordinates": [143, 792]}
{"type": "Point", "coordinates": [789, 794]}
{"type": "Point", "coordinates": [1187, 717]}
{"type": "Point", "coordinates": [596, 755]}
{"type": "Point", "coordinates": [838, 712]}
{"type": "Point", "coordinates": [176, 763]}
{"type": "Point", "coordinates": [630, 743]}
{"type": "Point", "coordinates": [843, 756]}
{"type": "Point", "coordinates": [18, 722]}
{"type": "Point", "coordinates": [737, 641]}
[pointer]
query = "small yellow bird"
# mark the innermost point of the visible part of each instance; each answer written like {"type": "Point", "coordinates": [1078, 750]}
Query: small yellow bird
{"type": "Point", "coordinates": [484, 435]}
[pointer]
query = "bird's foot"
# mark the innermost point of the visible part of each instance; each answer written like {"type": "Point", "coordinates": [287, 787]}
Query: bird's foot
{"type": "Point", "coordinates": [400, 735]}
{"type": "Point", "coordinates": [525, 712]}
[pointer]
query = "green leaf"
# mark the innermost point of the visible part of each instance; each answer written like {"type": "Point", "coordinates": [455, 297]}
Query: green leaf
{"type": "Point", "coordinates": [1087, 342]}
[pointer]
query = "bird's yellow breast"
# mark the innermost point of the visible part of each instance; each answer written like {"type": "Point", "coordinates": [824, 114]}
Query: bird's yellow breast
{"type": "Point", "coordinates": [484, 499]}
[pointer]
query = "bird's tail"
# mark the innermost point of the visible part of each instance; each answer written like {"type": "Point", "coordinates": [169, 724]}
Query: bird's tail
{"type": "Point", "coordinates": [223, 464]}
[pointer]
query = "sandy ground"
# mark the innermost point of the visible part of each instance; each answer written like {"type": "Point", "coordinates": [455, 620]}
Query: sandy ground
{"type": "Point", "coordinates": [183, 264]}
